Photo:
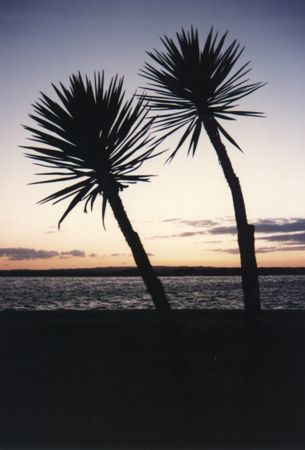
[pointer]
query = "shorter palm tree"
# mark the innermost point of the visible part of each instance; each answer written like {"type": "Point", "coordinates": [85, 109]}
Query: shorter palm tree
{"type": "Point", "coordinates": [193, 89]}
{"type": "Point", "coordinates": [96, 140]}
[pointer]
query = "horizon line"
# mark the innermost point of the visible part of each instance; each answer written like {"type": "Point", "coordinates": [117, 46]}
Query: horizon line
{"type": "Point", "coordinates": [160, 270]}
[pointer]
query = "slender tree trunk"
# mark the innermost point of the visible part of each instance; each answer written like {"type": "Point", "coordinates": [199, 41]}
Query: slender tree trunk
{"type": "Point", "coordinates": [152, 283]}
{"type": "Point", "coordinates": [245, 231]}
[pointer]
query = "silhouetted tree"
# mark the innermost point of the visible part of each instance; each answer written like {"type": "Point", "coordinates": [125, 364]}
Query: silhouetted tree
{"type": "Point", "coordinates": [192, 89]}
{"type": "Point", "coordinates": [96, 140]}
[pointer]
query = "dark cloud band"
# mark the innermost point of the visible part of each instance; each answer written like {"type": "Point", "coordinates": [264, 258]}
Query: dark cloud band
{"type": "Point", "coordinates": [20, 254]}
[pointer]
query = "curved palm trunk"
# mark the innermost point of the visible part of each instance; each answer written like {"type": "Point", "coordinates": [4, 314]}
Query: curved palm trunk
{"type": "Point", "coordinates": [152, 283]}
{"type": "Point", "coordinates": [245, 231]}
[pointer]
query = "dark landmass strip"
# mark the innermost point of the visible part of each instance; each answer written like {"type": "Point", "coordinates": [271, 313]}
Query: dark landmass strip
{"type": "Point", "coordinates": [161, 271]}
{"type": "Point", "coordinates": [104, 381]}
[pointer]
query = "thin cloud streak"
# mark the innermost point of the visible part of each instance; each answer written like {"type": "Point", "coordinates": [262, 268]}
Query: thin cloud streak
{"type": "Point", "coordinates": [192, 223]}
{"type": "Point", "coordinates": [280, 225]}
{"type": "Point", "coordinates": [22, 254]}
{"type": "Point", "coordinates": [179, 235]}
{"type": "Point", "coordinates": [78, 253]}
{"type": "Point", "coordinates": [223, 230]}
{"type": "Point", "coordinates": [298, 238]}
{"type": "Point", "coordinates": [117, 255]}
{"type": "Point", "coordinates": [199, 223]}
{"type": "Point", "coordinates": [52, 230]}
{"type": "Point", "coordinates": [292, 248]}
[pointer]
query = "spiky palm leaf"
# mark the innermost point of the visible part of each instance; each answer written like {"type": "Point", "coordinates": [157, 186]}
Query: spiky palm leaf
{"type": "Point", "coordinates": [91, 137]}
{"type": "Point", "coordinates": [190, 85]}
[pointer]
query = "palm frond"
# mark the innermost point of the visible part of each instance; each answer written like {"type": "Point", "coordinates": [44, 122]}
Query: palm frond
{"type": "Point", "coordinates": [90, 133]}
{"type": "Point", "coordinates": [186, 83]}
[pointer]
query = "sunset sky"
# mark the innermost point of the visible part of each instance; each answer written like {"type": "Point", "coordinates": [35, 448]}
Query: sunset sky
{"type": "Point", "coordinates": [185, 215]}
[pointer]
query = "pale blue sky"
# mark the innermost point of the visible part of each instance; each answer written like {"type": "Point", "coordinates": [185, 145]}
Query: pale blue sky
{"type": "Point", "coordinates": [45, 41]}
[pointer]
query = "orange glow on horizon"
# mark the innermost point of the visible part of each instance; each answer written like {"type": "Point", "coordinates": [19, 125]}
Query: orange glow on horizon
{"type": "Point", "coordinates": [208, 259]}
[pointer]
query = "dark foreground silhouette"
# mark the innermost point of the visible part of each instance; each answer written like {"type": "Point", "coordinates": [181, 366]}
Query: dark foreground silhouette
{"type": "Point", "coordinates": [86, 380]}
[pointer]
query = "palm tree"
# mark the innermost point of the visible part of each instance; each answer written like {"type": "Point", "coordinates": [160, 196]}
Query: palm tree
{"type": "Point", "coordinates": [192, 89]}
{"type": "Point", "coordinates": [96, 140]}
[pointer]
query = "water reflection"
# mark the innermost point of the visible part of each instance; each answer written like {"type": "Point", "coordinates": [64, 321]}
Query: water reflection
{"type": "Point", "coordinates": [80, 293]}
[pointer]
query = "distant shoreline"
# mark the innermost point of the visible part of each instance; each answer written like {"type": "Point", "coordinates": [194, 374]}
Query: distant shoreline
{"type": "Point", "coordinates": [160, 270]}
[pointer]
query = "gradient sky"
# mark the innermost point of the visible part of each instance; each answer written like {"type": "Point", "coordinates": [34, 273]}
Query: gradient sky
{"type": "Point", "coordinates": [185, 215]}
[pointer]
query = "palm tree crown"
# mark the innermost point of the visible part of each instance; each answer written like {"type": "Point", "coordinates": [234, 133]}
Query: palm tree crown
{"type": "Point", "coordinates": [92, 137]}
{"type": "Point", "coordinates": [190, 85]}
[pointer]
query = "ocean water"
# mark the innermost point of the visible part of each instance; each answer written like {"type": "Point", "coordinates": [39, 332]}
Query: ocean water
{"type": "Point", "coordinates": [191, 292]}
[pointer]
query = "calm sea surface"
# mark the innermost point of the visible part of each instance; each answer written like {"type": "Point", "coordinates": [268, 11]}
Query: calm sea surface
{"type": "Point", "coordinates": [79, 293]}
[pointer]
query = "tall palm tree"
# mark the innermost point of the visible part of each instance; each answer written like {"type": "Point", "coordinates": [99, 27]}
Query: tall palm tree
{"type": "Point", "coordinates": [96, 140]}
{"type": "Point", "coordinates": [192, 88]}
